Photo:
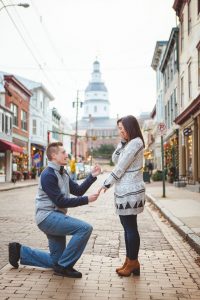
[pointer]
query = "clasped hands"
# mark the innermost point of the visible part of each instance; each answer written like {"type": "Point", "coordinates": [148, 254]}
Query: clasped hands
{"type": "Point", "coordinates": [96, 170]}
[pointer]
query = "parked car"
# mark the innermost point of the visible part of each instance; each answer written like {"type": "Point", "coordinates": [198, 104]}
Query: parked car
{"type": "Point", "coordinates": [80, 170]}
{"type": "Point", "coordinates": [88, 169]}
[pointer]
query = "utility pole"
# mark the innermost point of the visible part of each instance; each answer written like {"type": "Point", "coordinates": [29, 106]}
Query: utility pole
{"type": "Point", "coordinates": [161, 129]}
{"type": "Point", "coordinates": [91, 143]}
{"type": "Point", "coordinates": [163, 168]}
{"type": "Point", "coordinates": [76, 105]}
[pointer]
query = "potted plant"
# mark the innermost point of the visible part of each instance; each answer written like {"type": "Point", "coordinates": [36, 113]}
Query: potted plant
{"type": "Point", "coordinates": [171, 174]}
{"type": "Point", "coordinates": [40, 170]}
{"type": "Point", "coordinates": [33, 172]}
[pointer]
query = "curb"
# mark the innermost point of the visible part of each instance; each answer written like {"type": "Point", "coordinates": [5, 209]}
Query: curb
{"type": "Point", "coordinates": [189, 235]}
{"type": "Point", "coordinates": [17, 187]}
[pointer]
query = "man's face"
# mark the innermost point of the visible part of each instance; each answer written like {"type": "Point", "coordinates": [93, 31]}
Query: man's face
{"type": "Point", "coordinates": [61, 157]}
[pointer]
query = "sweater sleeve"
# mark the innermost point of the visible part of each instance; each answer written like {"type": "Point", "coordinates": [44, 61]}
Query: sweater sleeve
{"type": "Point", "coordinates": [129, 155]}
{"type": "Point", "coordinates": [116, 153]}
{"type": "Point", "coordinates": [79, 190]}
{"type": "Point", "coordinates": [50, 186]}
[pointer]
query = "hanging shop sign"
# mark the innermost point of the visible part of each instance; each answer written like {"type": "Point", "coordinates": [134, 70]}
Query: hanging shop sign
{"type": "Point", "coordinates": [187, 131]}
{"type": "Point", "coordinates": [37, 160]}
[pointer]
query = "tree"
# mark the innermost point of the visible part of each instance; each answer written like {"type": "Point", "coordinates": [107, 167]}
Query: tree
{"type": "Point", "coordinates": [104, 151]}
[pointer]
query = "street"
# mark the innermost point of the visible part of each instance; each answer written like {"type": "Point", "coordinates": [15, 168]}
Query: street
{"type": "Point", "coordinates": [169, 266]}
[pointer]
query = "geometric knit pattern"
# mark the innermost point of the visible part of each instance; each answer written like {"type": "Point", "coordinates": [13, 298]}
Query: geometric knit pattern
{"type": "Point", "coordinates": [127, 176]}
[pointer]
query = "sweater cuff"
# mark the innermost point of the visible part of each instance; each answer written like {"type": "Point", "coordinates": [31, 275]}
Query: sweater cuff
{"type": "Point", "coordinates": [93, 178]}
{"type": "Point", "coordinates": [84, 200]}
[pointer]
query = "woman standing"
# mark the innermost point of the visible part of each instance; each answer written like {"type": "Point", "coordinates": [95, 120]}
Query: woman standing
{"type": "Point", "coordinates": [129, 194]}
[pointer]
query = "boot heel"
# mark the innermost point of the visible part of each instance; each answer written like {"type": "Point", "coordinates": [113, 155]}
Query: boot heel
{"type": "Point", "coordinates": [136, 272]}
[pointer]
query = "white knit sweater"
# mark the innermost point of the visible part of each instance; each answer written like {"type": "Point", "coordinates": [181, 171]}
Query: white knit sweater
{"type": "Point", "coordinates": [127, 176]}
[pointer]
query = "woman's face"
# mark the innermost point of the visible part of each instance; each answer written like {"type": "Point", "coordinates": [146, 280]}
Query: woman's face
{"type": "Point", "coordinates": [122, 132]}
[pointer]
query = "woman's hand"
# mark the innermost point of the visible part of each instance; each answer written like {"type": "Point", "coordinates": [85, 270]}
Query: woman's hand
{"type": "Point", "coordinates": [103, 188]}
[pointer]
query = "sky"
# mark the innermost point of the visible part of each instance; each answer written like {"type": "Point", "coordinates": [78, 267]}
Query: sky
{"type": "Point", "coordinates": [56, 43]}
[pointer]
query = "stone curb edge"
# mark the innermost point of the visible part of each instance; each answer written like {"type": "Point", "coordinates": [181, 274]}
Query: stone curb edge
{"type": "Point", "coordinates": [189, 235]}
{"type": "Point", "coordinates": [17, 187]}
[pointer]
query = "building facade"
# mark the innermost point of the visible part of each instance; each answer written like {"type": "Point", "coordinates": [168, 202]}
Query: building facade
{"type": "Point", "coordinates": [170, 69]}
{"type": "Point", "coordinates": [40, 122]}
{"type": "Point", "coordinates": [188, 13]}
{"type": "Point", "coordinates": [6, 145]}
{"type": "Point", "coordinates": [15, 98]}
{"type": "Point", "coordinates": [96, 124]}
{"type": "Point", "coordinates": [158, 113]}
{"type": "Point", "coordinates": [18, 100]}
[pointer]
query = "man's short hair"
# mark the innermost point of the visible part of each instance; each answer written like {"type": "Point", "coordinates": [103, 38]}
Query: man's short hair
{"type": "Point", "coordinates": [53, 148]}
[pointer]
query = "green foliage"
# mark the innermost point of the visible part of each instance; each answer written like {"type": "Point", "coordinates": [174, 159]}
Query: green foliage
{"type": "Point", "coordinates": [157, 176]}
{"type": "Point", "coordinates": [34, 170]}
{"type": "Point", "coordinates": [104, 151]}
{"type": "Point", "coordinates": [111, 163]}
{"type": "Point", "coordinates": [42, 168]}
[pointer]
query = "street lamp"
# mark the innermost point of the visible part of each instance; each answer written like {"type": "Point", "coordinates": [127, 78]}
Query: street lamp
{"type": "Point", "coordinates": [91, 139]}
{"type": "Point", "coordinates": [25, 5]}
{"type": "Point", "coordinates": [76, 105]}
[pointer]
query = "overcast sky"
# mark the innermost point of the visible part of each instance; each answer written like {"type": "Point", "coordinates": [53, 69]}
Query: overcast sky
{"type": "Point", "coordinates": [56, 43]}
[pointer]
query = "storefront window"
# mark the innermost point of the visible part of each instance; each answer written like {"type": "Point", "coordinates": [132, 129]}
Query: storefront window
{"type": "Point", "coordinates": [2, 163]}
{"type": "Point", "coordinates": [190, 155]}
{"type": "Point", "coordinates": [23, 120]}
{"type": "Point", "coordinates": [171, 158]}
{"type": "Point", "coordinates": [199, 66]}
{"type": "Point", "coordinates": [14, 109]}
{"type": "Point", "coordinates": [21, 161]}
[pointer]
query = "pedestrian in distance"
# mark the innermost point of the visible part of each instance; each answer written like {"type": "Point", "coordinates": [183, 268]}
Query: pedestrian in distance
{"type": "Point", "coordinates": [129, 195]}
{"type": "Point", "coordinates": [72, 165]}
{"type": "Point", "coordinates": [52, 200]}
{"type": "Point", "coordinates": [150, 168]}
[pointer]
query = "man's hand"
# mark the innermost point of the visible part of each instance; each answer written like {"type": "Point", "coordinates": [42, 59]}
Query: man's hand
{"type": "Point", "coordinates": [96, 170]}
{"type": "Point", "coordinates": [93, 197]}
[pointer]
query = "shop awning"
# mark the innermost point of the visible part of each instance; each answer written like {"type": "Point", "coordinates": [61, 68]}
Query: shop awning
{"type": "Point", "coordinates": [189, 111]}
{"type": "Point", "coordinates": [5, 145]}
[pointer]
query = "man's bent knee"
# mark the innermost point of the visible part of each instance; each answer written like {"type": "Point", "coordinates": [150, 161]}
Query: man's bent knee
{"type": "Point", "coordinates": [88, 228]}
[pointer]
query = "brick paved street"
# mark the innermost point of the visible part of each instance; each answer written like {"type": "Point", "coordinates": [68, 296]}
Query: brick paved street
{"type": "Point", "coordinates": [169, 267]}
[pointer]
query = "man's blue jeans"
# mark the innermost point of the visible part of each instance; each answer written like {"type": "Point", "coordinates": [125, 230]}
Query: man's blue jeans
{"type": "Point", "coordinates": [56, 227]}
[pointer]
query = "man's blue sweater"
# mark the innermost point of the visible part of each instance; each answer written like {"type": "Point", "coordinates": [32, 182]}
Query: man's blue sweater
{"type": "Point", "coordinates": [54, 192]}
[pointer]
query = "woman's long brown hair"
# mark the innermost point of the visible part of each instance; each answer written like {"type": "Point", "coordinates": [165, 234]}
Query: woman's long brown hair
{"type": "Point", "coordinates": [132, 127]}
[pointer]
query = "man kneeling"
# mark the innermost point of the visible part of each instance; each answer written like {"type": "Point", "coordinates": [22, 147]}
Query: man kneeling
{"type": "Point", "coordinates": [52, 200]}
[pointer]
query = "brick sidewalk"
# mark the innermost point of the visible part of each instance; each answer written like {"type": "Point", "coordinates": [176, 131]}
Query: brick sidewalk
{"type": "Point", "coordinates": [181, 207]}
{"type": "Point", "coordinates": [169, 266]}
{"type": "Point", "coordinates": [6, 186]}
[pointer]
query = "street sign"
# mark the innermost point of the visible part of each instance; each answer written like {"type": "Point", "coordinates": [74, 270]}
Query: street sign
{"type": "Point", "coordinates": [161, 128]}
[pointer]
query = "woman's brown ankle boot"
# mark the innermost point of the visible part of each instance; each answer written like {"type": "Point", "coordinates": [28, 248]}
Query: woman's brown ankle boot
{"type": "Point", "coordinates": [122, 267]}
{"type": "Point", "coordinates": [132, 266]}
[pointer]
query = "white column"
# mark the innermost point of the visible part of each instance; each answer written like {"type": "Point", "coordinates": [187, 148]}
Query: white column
{"type": "Point", "coordinates": [8, 165]}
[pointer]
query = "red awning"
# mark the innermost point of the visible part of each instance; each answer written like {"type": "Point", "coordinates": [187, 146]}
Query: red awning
{"type": "Point", "coordinates": [5, 145]}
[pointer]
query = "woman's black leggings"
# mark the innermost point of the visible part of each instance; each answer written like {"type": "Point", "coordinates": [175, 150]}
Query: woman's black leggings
{"type": "Point", "coordinates": [131, 235]}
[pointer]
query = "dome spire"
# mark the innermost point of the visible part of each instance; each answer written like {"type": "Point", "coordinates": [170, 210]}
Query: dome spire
{"type": "Point", "coordinates": [96, 95]}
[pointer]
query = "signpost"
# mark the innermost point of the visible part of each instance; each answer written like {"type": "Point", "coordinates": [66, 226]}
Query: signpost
{"type": "Point", "coordinates": [161, 130]}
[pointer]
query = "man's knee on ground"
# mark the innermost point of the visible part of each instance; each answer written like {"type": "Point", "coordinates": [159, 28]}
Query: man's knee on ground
{"type": "Point", "coordinates": [88, 228]}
